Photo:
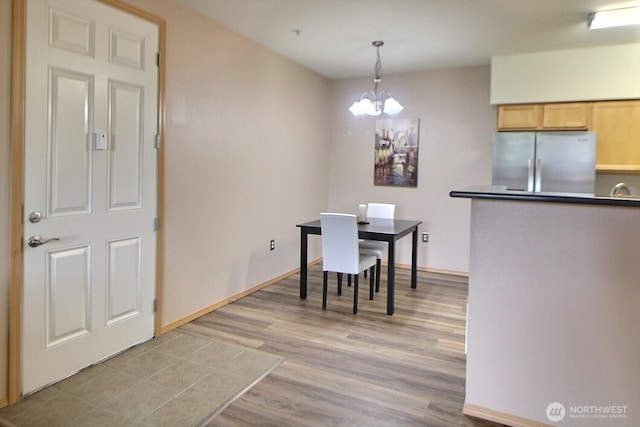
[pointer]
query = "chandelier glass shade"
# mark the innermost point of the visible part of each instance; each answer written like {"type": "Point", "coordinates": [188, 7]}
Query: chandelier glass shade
{"type": "Point", "coordinates": [376, 102]}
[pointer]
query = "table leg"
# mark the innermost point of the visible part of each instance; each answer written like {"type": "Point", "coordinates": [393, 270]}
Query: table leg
{"type": "Point", "coordinates": [303, 263]}
{"type": "Point", "coordinates": [391, 272]}
{"type": "Point", "coordinates": [414, 260]}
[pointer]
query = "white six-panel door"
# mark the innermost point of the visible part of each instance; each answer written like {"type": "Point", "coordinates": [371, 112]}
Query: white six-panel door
{"type": "Point", "coordinates": [90, 174]}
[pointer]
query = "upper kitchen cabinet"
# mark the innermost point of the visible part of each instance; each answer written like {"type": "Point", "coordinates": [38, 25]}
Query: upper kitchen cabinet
{"type": "Point", "coordinates": [572, 115]}
{"type": "Point", "coordinates": [556, 116]}
{"type": "Point", "coordinates": [518, 117]}
{"type": "Point", "coordinates": [617, 124]}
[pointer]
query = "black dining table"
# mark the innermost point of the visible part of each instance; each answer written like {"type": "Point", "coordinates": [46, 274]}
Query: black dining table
{"type": "Point", "coordinates": [384, 230]}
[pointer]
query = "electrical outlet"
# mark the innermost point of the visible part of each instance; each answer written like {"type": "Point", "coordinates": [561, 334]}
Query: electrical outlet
{"type": "Point", "coordinates": [272, 245]}
{"type": "Point", "coordinates": [425, 236]}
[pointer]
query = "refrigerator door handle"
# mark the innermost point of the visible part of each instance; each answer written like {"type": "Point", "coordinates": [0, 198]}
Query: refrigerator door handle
{"type": "Point", "coordinates": [538, 176]}
{"type": "Point", "coordinates": [530, 175]}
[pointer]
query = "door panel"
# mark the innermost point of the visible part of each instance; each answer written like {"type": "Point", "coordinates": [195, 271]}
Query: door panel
{"type": "Point", "coordinates": [126, 115]}
{"type": "Point", "coordinates": [68, 295]}
{"type": "Point", "coordinates": [90, 70]}
{"type": "Point", "coordinates": [71, 100]}
{"type": "Point", "coordinates": [126, 49]}
{"type": "Point", "coordinates": [71, 33]}
{"type": "Point", "coordinates": [124, 285]}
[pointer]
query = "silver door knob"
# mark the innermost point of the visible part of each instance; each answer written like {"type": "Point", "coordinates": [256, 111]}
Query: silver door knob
{"type": "Point", "coordinates": [35, 216]}
{"type": "Point", "coordinates": [35, 241]}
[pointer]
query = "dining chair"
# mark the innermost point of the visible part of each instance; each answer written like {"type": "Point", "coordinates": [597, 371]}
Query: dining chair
{"type": "Point", "coordinates": [341, 253]}
{"type": "Point", "coordinates": [372, 247]}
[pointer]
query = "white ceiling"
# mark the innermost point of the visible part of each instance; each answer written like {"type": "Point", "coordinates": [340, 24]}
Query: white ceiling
{"type": "Point", "coordinates": [333, 37]}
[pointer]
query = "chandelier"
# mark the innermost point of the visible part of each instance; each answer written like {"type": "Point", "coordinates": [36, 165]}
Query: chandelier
{"type": "Point", "coordinates": [376, 102]}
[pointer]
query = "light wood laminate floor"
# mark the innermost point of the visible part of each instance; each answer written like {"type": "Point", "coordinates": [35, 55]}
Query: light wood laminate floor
{"type": "Point", "coordinates": [341, 369]}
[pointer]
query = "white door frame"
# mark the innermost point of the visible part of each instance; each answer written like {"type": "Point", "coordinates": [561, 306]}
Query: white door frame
{"type": "Point", "coordinates": [18, 84]}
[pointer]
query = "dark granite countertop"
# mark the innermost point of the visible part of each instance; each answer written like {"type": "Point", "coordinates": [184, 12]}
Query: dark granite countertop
{"type": "Point", "coordinates": [499, 193]}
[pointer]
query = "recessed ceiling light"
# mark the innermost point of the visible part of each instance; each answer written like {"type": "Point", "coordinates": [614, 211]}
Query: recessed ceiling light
{"type": "Point", "coordinates": [615, 18]}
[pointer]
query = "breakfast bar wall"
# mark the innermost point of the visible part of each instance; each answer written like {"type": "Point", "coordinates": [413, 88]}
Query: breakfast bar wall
{"type": "Point", "coordinates": [553, 310]}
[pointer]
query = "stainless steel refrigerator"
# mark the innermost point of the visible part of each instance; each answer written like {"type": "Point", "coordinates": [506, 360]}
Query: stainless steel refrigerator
{"type": "Point", "coordinates": [545, 161]}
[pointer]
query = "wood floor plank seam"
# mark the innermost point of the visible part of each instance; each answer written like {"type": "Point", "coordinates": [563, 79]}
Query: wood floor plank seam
{"type": "Point", "coordinates": [341, 369]}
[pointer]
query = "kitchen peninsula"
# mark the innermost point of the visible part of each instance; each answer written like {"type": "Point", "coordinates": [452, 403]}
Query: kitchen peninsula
{"type": "Point", "coordinates": [553, 317]}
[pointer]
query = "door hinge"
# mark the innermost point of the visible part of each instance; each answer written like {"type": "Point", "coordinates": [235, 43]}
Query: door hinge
{"type": "Point", "coordinates": [157, 141]}
{"type": "Point", "coordinates": [156, 224]}
{"type": "Point", "coordinates": [155, 305]}
{"type": "Point", "coordinates": [157, 59]}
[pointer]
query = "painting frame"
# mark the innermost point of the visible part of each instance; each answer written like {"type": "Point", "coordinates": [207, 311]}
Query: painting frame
{"type": "Point", "coordinates": [396, 152]}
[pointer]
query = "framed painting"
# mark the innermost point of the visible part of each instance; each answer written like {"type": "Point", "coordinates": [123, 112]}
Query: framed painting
{"type": "Point", "coordinates": [396, 152]}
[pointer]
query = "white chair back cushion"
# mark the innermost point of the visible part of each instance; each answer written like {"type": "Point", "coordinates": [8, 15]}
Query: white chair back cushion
{"type": "Point", "coordinates": [381, 210]}
{"type": "Point", "coordinates": [340, 249]}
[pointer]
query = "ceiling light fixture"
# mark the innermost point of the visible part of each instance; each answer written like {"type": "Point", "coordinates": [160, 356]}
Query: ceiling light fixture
{"type": "Point", "coordinates": [376, 102]}
{"type": "Point", "coordinates": [614, 18]}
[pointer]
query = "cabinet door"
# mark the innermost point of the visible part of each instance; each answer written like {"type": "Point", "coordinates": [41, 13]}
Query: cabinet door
{"type": "Point", "coordinates": [518, 117]}
{"type": "Point", "coordinates": [573, 115]}
{"type": "Point", "coordinates": [617, 124]}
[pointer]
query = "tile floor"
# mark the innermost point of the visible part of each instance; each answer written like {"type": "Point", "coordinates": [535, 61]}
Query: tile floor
{"type": "Point", "coordinates": [177, 379]}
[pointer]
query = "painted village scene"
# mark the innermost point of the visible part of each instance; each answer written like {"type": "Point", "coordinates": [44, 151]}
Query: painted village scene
{"type": "Point", "coordinates": [396, 152]}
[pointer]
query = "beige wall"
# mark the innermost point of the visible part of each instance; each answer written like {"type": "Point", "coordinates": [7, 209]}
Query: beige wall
{"type": "Point", "coordinates": [5, 82]}
{"type": "Point", "coordinates": [456, 128]}
{"type": "Point", "coordinates": [247, 145]}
